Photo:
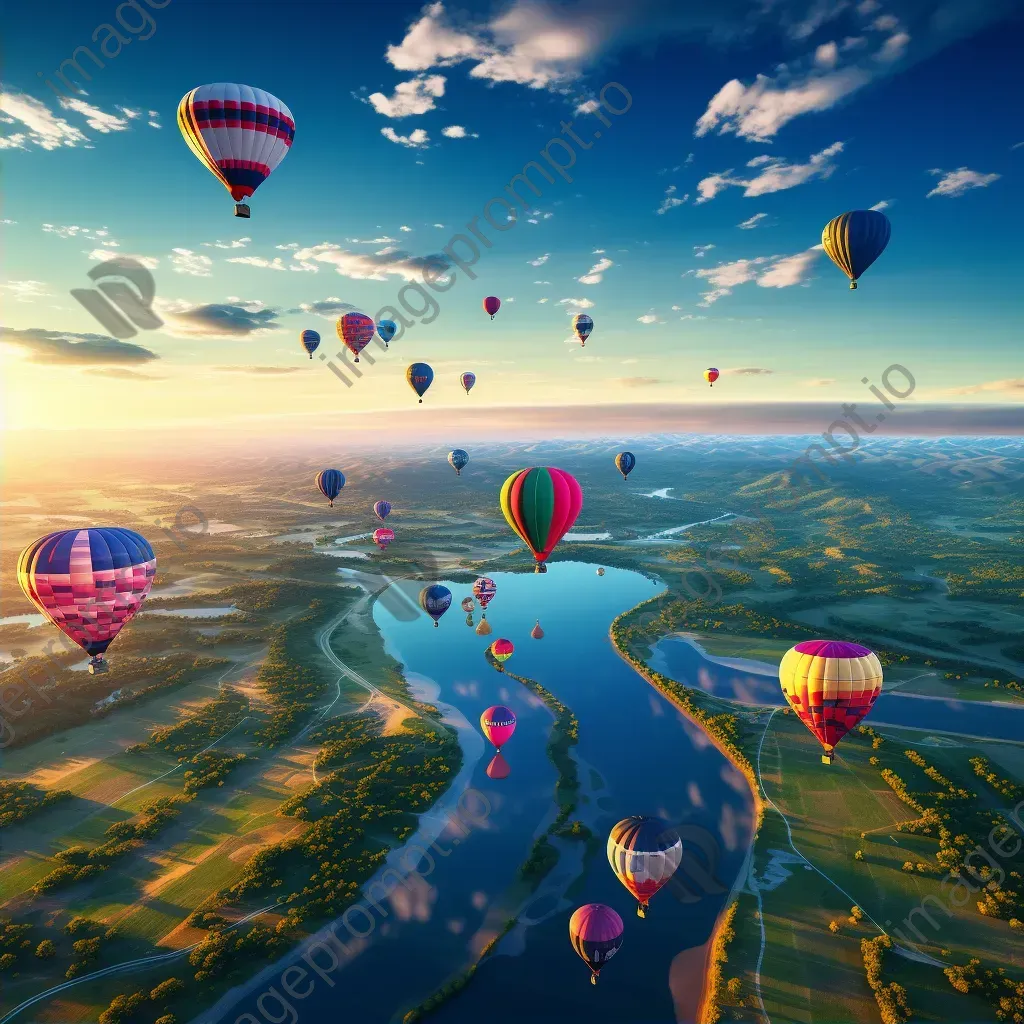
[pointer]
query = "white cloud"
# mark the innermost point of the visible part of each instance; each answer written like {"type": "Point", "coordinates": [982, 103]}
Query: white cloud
{"type": "Point", "coordinates": [885, 23]}
{"type": "Point", "coordinates": [258, 261]}
{"type": "Point", "coordinates": [102, 255]}
{"type": "Point", "coordinates": [433, 42]}
{"type": "Point", "coordinates": [381, 240]}
{"type": "Point", "coordinates": [417, 139]}
{"type": "Point", "coordinates": [539, 262]}
{"type": "Point", "coordinates": [195, 264]}
{"type": "Point", "coordinates": [287, 246]}
{"type": "Point", "coordinates": [956, 183]}
{"type": "Point", "coordinates": [413, 97]}
{"type": "Point", "coordinates": [43, 127]}
{"type": "Point", "coordinates": [596, 273]}
{"type": "Point", "coordinates": [377, 266]}
{"type": "Point", "coordinates": [241, 243]}
{"type": "Point", "coordinates": [98, 120]}
{"type": "Point", "coordinates": [752, 222]}
{"type": "Point", "coordinates": [154, 119]}
{"type": "Point", "coordinates": [767, 271]}
{"type": "Point", "coordinates": [588, 107]}
{"type": "Point", "coordinates": [894, 47]}
{"type": "Point", "coordinates": [404, 227]}
{"type": "Point", "coordinates": [676, 309]}
{"type": "Point", "coordinates": [826, 55]}
{"type": "Point", "coordinates": [790, 270]}
{"type": "Point", "coordinates": [438, 225]}
{"type": "Point", "coordinates": [883, 205]}
{"type": "Point", "coordinates": [597, 252]}
{"type": "Point", "coordinates": [456, 131]}
{"type": "Point", "coordinates": [671, 200]}
{"type": "Point", "coordinates": [542, 300]}
{"type": "Point", "coordinates": [578, 303]}
{"type": "Point", "coordinates": [542, 282]}
{"type": "Point", "coordinates": [101, 235]}
{"type": "Point", "coordinates": [647, 318]}
{"type": "Point", "coordinates": [25, 290]}
{"type": "Point", "coordinates": [700, 250]}
{"type": "Point", "coordinates": [775, 175]}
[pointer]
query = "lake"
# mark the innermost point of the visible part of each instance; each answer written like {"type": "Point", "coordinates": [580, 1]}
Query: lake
{"type": "Point", "coordinates": [640, 756]}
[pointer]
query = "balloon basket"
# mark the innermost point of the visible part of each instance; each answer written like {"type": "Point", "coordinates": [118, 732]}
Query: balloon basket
{"type": "Point", "coordinates": [593, 979]}
{"type": "Point", "coordinates": [853, 286]}
{"type": "Point", "coordinates": [97, 666]}
{"type": "Point", "coordinates": [641, 911]}
{"type": "Point", "coordinates": [826, 758]}
{"type": "Point", "coordinates": [242, 210]}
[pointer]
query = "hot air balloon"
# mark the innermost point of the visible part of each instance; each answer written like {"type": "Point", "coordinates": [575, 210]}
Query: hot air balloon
{"type": "Point", "coordinates": [711, 375]}
{"type": "Point", "coordinates": [537, 633]}
{"type": "Point", "coordinates": [484, 590]}
{"type": "Point", "coordinates": [382, 509]}
{"type": "Point", "coordinates": [239, 134]}
{"type": "Point", "coordinates": [498, 768]}
{"type": "Point", "coordinates": [458, 460]}
{"type": "Point", "coordinates": [419, 376]}
{"type": "Point", "coordinates": [582, 324]}
{"type": "Point", "coordinates": [600, 572]}
{"type": "Point", "coordinates": [484, 629]}
{"type": "Point", "coordinates": [498, 724]}
{"type": "Point", "coordinates": [831, 686]}
{"type": "Point", "coordinates": [88, 582]}
{"type": "Point", "coordinates": [469, 619]}
{"type": "Point", "coordinates": [310, 341]}
{"type": "Point", "coordinates": [854, 240]}
{"type": "Point", "coordinates": [595, 932]}
{"type": "Point", "coordinates": [468, 604]}
{"type": "Point", "coordinates": [541, 505]}
{"type": "Point", "coordinates": [644, 854]}
{"type": "Point", "coordinates": [501, 650]}
{"type": "Point", "coordinates": [387, 329]}
{"type": "Point", "coordinates": [383, 536]}
{"type": "Point", "coordinates": [330, 482]}
{"type": "Point", "coordinates": [468, 380]}
{"type": "Point", "coordinates": [356, 331]}
{"type": "Point", "coordinates": [624, 463]}
{"type": "Point", "coordinates": [435, 600]}
{"type": "Point", "coordinates": [491, 305]}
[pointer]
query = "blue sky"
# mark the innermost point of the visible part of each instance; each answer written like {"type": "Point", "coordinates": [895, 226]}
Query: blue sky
{"type": "Point", "coordinates": [751, 125]}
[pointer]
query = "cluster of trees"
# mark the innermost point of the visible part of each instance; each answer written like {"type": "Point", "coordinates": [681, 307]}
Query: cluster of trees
{"type": "Point", "coordinates": [127, 1007]}
{"type": "Point", "coordinates": [222, 948]}
{"type": "Point", "coordinates": [1005, 787]}
{"type": "Point", "coordinates": [724, 934]}
{"type": "Point", "coordinates": [210, 769]}
{"type": "Point", "coordinates": [78, 863]}
{"type": "Point", "coordinates": [543, 857]}
{"type": "Point", "coordinates": [1005, 995]}
{"type": "Point", "coordinates": [197, 729]}
{"type": "Point", "coordinates": [20, 800]}
{"type": "Point", "coordinates": [13, 941]}
{"type": "Point", "coordinates": [892, 998]}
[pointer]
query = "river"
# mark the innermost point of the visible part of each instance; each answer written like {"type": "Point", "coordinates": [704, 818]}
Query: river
{"type": "Point", "coordinates": [638, 755]}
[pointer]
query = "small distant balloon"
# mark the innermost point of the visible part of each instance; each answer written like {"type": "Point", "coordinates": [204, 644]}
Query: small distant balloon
{"type": "Point", "coordinates": [484, 590]}
{"type": "Point", "coordinates": [419, 376]}
{"type": "Point", "coordinates": [711, 375]}
{"type": "Point", "coordinates": [458, 460]}
{"type": "Point", "coordinates": [468, 380]}
{"type": "Point", "coordinates": [499, 768]}
{"type": "Point", "coordinates": [382, 509]}
{"type": "Point", "coordinates": [537, 633]}
{"type": "Point", "coordinates": [498, 723]}
{"type": "Point", "coordinates": [595, 932]}
{"type": "Point", "coordinates": [468, 604]}
{"type": "Point", "coordinates": [383, 536]}
{"type": "Point", "coordinates": [492, 305]}
{"type": "Point", "coordinates": [435, 600]}
{"type": "Point", "coordinates": [484, 629]}
{"type": "Point", "coordinates": [501, 650]}
{"type": "Point", "coordinates": [854, 240]}
{"type": "Point", "coordinates": [330, 482]}
{"type": "Point", "coordinates": [310, 341]}
{"type": "Point", "coordinates": [624, 463]}
{"type": "Point", "coordinates": [356, 331]}
{"type": "Point", "coordinates": [582, 324]}
{"type": "Point", "coordinates": [600, 572]}
{"type": "Point", "coordinates": [387, 329]}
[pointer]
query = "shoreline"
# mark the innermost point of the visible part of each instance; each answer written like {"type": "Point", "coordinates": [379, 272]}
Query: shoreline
{"type": "Point", "coordinates": [743, 874]}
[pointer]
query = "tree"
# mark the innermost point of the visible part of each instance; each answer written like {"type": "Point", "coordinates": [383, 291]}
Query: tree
{"type": "Point", "coordinates": [46, 950]}
{"type": "Point", "coordinates": [856, 914]}
{"type": "Point", "coordinates": [908, 865]}
{"type": "Point", "coordinates": [7, 961]}
{"type": "Point", "coordinates": [167, 990]}
{"type": "Point", "coordinates": [833, 927]}
{"type": "Point", "coordinates": [859, 855]}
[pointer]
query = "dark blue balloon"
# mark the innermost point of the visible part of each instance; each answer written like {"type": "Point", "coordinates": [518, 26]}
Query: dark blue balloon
{"type": "Point", "coordinates": [386, 329]}
{"type": "Point", "coordinates": [435, 600]}
{"type": "Point", "coordinates": [330, 482]}
{"type": "Point", "coordinates": [625, 461]}
{"type": "Point", "coordinates": [420, 376]}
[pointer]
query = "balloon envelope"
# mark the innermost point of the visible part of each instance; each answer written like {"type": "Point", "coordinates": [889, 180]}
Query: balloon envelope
{"type": "Point", "coordinates": [238, 133]}
{"type": "Point", "coordinates": [498, 768]}
{"type": "Point", "coordinates": [382, 509]}
{"type": "Point", "coordinates": [541, 505]}
{"type": "Point", "coordinates": [435, 600]}
{"type": "Point", "coordinates": [330, 482]}
{"type": "Point", "coordinates": [356, 331]}
{"type": "Point", "coordinates": [387, 330]}
{"type": "Point", "coordinates": [502, 650]}
{"type": "Point", "coordinates": [854, 240]}
{"type": "Point", "coordinates": [491, 305]}
{"type": "Point", "coordinates": [484, 590]}
{"type": "Point", "coordinates": [88, 582]}
{"type": "Point", "coordinates": [467, 604]}
{"type": "Point", "coordinates": [419, 376]}
{"type": "Point", "coordinates": [582, 324]}
{"type": "Point", "coordinates": [624, 463]}
{"type": "Point", "coordinates": [310, 341]}
{"type": "Point", "coordinates": [711, 375]}
{"type": "Point", "coordinates": [595, 932]}
{"type": "Point", "coordinates": [831, 685]}
{"type": "Point", "coordinates": [537, 633]}
{"type": "Point", "coordinates": [383, 536]}
{"type": "Point", "coordinates": [644, 853]}
{"type": "Point", "coordinates": [468, 380]}
{"type": "Point", "coordinates": [458, 460]}
{"type": "Point", "coordinates": [484, 629]}
{"type": "Point", "coordinates": [498, 723]}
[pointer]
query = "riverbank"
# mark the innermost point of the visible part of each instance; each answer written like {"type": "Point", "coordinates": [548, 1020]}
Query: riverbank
{"type": "Point", "coordinates": [723, 730]}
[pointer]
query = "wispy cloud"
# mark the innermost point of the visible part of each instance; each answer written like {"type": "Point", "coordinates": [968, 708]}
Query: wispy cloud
{"type": "Point", "coordinates": [637, 382]}
{"type": "Point", "coordinates": [218, 320]}
{"type": "Point", "coordinates": [671, 200]}
{"type": "Point", "coordinates": [539, 262]}
{"type": "Point", "coordinates": [699, 251]}
{"type": "Point", "coordinates": [416, 139]}
{"type": "Point", "coordinates": [752, 222]}
{"type": "Point", "coordinates": [883, 205]}
{"type": "Point", "coordinates": [956, 183]}
{"type": "Point", "coordinates": [413, 97]}
{"type": "Point", "coordinates": [25, 290]}
{"type": "Point", "coordinates": [195, 264]}
{"type": "Point", "coordinates": [378, 266]}
{"type": "Point", "coordinates": [820, 382]}
{"type": "Point", "coordinates": [748, 371]}
{"type": "Point", "coordinates": [259, 370]}
{"type": "Point", "coordinates": [767, 271]}
{"type": "Point", "coordinates": [577, 303]}
{"type": "Point", "coordinates": [649, 318]}
{"type": "Point", "coordinates": [64, 347]}
{"type": "Point", "coordinates": [774, 174]}
{"type": "Point", "coordinates": [457, 131]}
{"type": "Point", "coordinates": [596, 273]}
{"type": "Point", "coordinates": [329, 308]}
{"type": "Point", "coordinates": [238, 243]}
{"type": "Point", "coordinates": [1013, 386]}
{"type": "Point", "coordinates": [120, 373]}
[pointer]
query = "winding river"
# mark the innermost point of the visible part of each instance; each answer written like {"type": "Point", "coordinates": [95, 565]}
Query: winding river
{"type": "Point", "coordinates": [637, 755]}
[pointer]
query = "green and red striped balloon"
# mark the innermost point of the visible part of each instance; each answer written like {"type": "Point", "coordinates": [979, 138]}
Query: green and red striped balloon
{"type": "Point", "coordinates": [541, 505]}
